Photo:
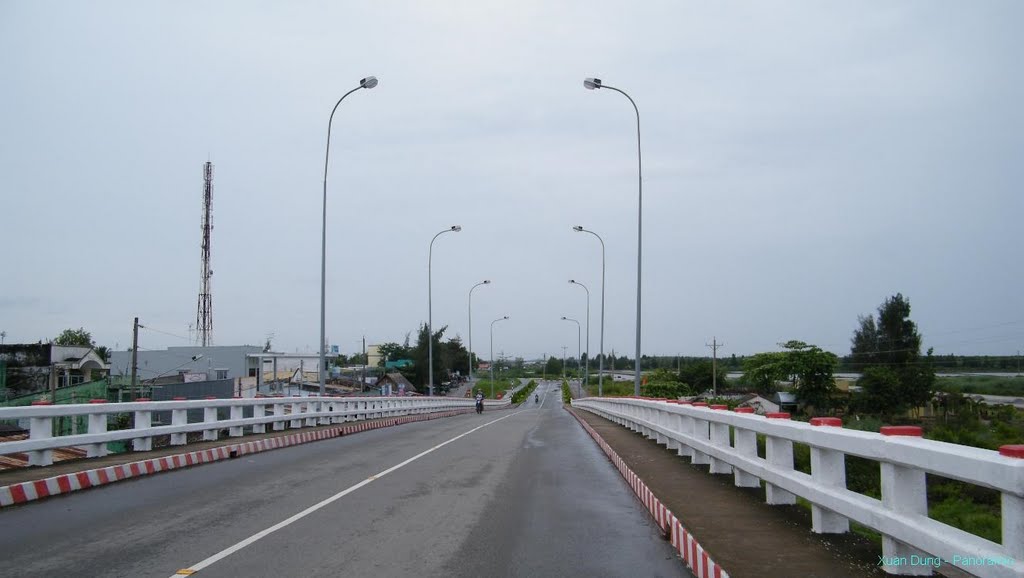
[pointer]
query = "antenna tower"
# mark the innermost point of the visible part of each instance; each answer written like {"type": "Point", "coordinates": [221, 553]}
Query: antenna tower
{"type": "Point", "coordinates": [204, 312]}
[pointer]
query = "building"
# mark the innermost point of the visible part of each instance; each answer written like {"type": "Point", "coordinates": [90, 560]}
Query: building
{"type": "Point", "coordinates": [26, 368]}
{"type": "Point", "coordinates": [190, 364]}
{"type": "Point", "coordinates": [373, 355]}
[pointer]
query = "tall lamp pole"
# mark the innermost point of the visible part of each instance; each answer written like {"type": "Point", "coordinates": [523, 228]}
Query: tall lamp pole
{"type": "Point", "coordinates": [430, 307]}
{"type": "Point", "coordinates": [593, 84]}
{"type": "Point", "coordinates": [600, 363]}
{"type": "Point", "coordinates": [492, 351]}
{"type": "Point", "coordinates": [368, 82]}
{"type": "Point", "coordinates": [586, 369]}
{"type": "Point", "coordinates": [579, 349]}
{"type": "Point", "coordinates": [484, 282]}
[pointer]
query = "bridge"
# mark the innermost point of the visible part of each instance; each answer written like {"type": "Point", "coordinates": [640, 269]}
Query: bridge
{"type": "Point", "coordinates": [425, 486]}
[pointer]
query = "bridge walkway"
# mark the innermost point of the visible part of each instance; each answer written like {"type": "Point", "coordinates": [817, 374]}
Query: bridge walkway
{"type": "Point", "coordinates": [747, 537]}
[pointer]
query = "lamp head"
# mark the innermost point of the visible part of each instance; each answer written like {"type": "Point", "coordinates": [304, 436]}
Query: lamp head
{"type": "Point", "coordinates": [592, 83]}
{"type": "Point", "coordinates": [487, 281]}
{"type": "Point", "coordinates": [564, 318]}
{"type": "Point", "coordinates": [370, 82]}
{"type": "Point", "coordinates": [505, 317]}
{"type": "Point", "coordinates": [572, 280]}
{"type": "Point", "coordinates": [578, 228]}
{"type": "Point", "coordinates": [197, 357]}
{"type": "Point", "coordinates": [456, 228]}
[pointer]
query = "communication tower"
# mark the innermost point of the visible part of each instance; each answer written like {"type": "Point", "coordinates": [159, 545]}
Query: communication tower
{"type": "Point", "coordinates": [204, 313]}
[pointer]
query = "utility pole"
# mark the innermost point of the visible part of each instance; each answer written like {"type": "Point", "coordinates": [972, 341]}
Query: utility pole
{"type": "Point", "coordinates": [135, 357]}
{"type": "Point", "coordinates": [364, 364]}
{"type": "Point", "coordinates": [564, 348]}
{"type": "Point", "coordinates": [714, 345]}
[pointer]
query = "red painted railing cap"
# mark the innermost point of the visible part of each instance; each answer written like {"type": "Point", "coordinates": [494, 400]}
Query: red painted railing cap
{"type": "Point", "coordinates": [685, 402]}
{"type": "Point", "coordinates": [901, 430]}
{"type": "Point", "coordinates": [260, 395]}
{"type": "Point", "coordinates": [143, 399]}
{"type": "Point", "coordinates": [211, 397]}
{"type": "Point", "coordinates": [778, 415]}
{"type": "Point", "coordinates": [719, 406]}
{"type": "Point", "coordinates": [97, 401]}
{"type": "Point", "coordinates": [42, 402]}
{"type": "Point", "coordinates": [827, 421]}
{"type": "Point", "coordinates": [700, 404]}
{"type": "Point", "coordinates": [180, 398]}
{"type": "Point", "coordinates": [1012, 451]}
{"type": "Point", "coordinates": [744, 410]}
{"type": "Point", "coordinates": [673, 401]}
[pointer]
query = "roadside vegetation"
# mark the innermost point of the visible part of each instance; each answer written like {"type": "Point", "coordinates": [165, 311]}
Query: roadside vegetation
{"type": "Point", "coordinates": [566, 393]}
{"type": "Point", "coordinates": [524, 393]}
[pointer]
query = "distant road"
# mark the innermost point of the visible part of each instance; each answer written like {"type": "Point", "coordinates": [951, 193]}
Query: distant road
{"type": "Point", "coordinates": [521, 492]}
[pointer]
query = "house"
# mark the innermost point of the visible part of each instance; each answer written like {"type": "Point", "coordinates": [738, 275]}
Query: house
{"type": "Point", "coordinates": [760, 404]}
{"type": "Point", "coordinates": [29, 367]}
{"type": "Point", "coordinates": [395, 384]}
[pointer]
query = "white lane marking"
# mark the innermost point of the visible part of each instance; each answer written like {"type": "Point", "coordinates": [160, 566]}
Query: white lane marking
{"type": "Point", "coordinates": [262, 534]}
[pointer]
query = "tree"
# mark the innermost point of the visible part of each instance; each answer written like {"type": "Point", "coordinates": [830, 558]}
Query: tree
{"type": "Point", "coordinates": [74, 338]}
{"type": "Point", "coordinates": [553, 366]}
{"type": "Point", "coordinates": [698, 374]}
{"type": "Point", "coordinates": [808, 366]}
{"type": "Point", "coordinates": [392, 351]}
{"type": "Point", "coordinates": [888, 351]}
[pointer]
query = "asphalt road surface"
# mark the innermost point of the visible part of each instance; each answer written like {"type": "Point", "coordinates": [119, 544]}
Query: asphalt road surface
{"type": "Point", "coordinates": [522, 492]}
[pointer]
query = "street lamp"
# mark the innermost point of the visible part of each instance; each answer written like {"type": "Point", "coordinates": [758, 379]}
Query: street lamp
{"type": "Point", "coordinates": [579, 350]}
{"type": "Point", "coordinates": [368, 82]}
{"type": "Point", "coordinates": [430, 307]}
{"type": "Point", "coordinates": [592, 84]}
{"type": "Point", "coordinates": [484, 282]}
{"type": "Point", "coordinates": [492, 352]}
{"type": "Point", "coordinates": [600, 363]}
{"type": "Point", "coordinates": [586, 369]}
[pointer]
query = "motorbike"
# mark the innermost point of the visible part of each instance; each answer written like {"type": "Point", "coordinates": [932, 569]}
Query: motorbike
{"type": "Point", "coordinates": [479, 406]}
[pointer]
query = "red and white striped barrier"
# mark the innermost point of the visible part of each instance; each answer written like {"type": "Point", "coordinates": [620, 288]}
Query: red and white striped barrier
{"type": "Point", "coordinates": [67, 483]}
{"type": "Point", "coordinates": [696, 558]}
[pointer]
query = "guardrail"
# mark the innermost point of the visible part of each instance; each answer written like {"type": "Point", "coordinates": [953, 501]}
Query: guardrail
{"type": "Point", "coordinates": [912, 543]}
{"type": "Point", "coordinates": [277, 412]}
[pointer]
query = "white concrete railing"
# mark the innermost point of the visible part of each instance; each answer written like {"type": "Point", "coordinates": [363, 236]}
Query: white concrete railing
{"type": "Point", "coordinates": [277, 412]}
{"type": "Point", "coordinates": [912, 543]}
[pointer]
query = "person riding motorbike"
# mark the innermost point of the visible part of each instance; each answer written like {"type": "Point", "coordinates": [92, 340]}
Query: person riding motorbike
{"type": "Point", "coordinates": [536, 399]}
{"type": "Point", "coordinates": [479, 402]}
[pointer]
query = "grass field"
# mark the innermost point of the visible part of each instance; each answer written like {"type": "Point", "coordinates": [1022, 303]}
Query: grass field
{"type": "Point", "coordinates": [986, 384]}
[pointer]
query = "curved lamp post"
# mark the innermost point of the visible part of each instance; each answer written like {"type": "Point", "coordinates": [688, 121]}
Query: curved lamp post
{"type": "Point", "coordinates": [586, 368]}
{"type": "Point", "coordinates": [368, 82]}
{"type": "Point", "coordinates": [430, 307]}
{"type": "Point", "coordinates": [484, 282]}
{"type": "Point", "coordinates": [579, 350]}
{"type": "Point", "coordinates": [593, 84]}
{"type": "Point", "coordinates": [492, 351]}
{"type": "Point", "coordinates": [600, 363]}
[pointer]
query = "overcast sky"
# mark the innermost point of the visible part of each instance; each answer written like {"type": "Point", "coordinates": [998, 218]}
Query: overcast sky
{"type": "Point", "coordinates": [802, 162]}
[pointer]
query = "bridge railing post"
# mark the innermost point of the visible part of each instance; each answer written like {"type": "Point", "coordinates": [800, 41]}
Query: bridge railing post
{"type": "Point", "coordinates": [701, 431]}
{"type": "Point", "coordinates": [179, 417]}
{"type": "Point", "coordinates": [40, 428]}
{"type": "Point", "coordinates": [778, 454]}
{"type": "Point", "coordinates": [259, 410]}
{"type": "Point", "coordinates": [685, 427]}
{"type": "Point", "coordinates": [279, 423]}
{"type": "Point", "coordinates": [143, 421]}
{"type": "Point", "coordinates": [719, 435]}
{"type": "Point", "coordinates": [236, 412]}
{"type": "Point", "coordinates": [312, 409]}
{"type": "Point", "coordinates": [904, 490]}
{"type": "Point", "coordinates": [97, 425]}
{"type": "Point", "coordinates": [673, 423]}
{"type": "Point", "coordinates": [210, 432]}
{"type": "Point", "coordinates": [745, 444]}
{"type": "Point", "coordinates": [1013, 510]}
{"type": "Point", "coordinates": [828, 467]}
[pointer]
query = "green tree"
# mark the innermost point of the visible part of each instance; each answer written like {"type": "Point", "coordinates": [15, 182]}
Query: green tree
{"type": "Point", "coordinates": [392, 351]}
{"type": "Point", "coordinates": [74, 338]}
{"type": "Point", "coordinates": [553, 367]}
{"type": "Point", "coordinates": [698, 374]}
{"type": "Point", "coordinates": [888, 351]}
{"type": "Point", "coordinates": [764, 371]}
{"type": "Point", "coordinates": [811, 369]}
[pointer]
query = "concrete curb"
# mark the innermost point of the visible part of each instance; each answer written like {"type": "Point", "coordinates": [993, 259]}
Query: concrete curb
{"type": "Point", "coordinates": [696, 558]}
{"type": "Point", "coordinates": [66, 483]}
